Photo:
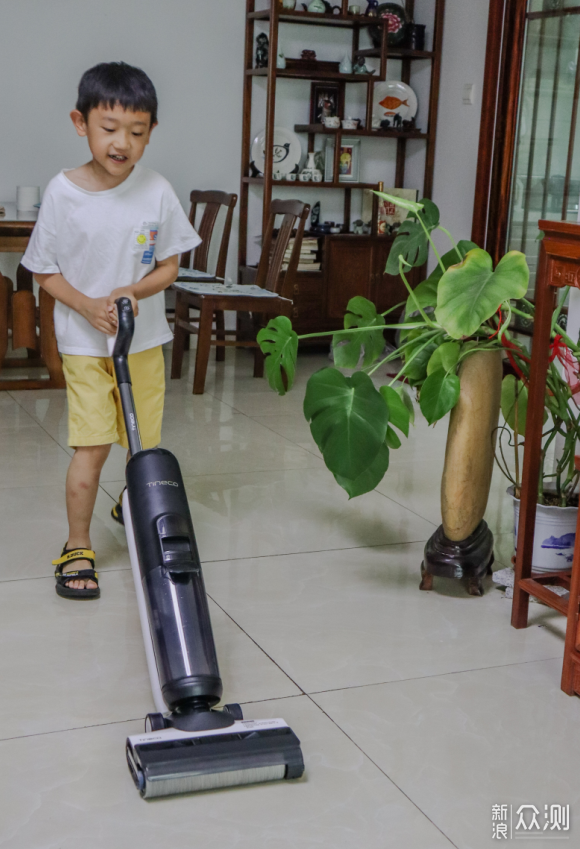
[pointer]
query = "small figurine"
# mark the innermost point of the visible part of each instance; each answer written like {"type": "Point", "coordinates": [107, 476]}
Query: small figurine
{"type": "Point", "coordinates": [360, 66]}
{"type": "Point", "coordinates": [315, 216]}
{"type": "Point", "coordinates": [410, 124]}
{"type": "Point", "coordinates": [358, 227]}
{"type": "Point", "coordinates": [308, 55]}
{"type": "Point", "coordinates": [262, 50]}
{"type": "Point", "coordinates": [397, 121]}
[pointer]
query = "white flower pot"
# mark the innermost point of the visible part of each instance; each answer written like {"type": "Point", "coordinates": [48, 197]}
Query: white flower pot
{"type": "Point", "coordinates": [554, 535]}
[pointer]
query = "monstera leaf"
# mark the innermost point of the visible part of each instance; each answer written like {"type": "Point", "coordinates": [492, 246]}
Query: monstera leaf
{"type": "Point", "coordinates": [370, 478]}
{"type": "Point", "coordinates": [347, 347]}
{"type": "Point", "coordinates": [399, 415]}
{"type": "Point", "coordinates": [416, 363]}
{"type": "Point", "coordinates": [348, 420]}
{"type": "Point", "coordinates": [279, 343]}
{"type": "Point", "coordinates": [471, 292]}
{"type": "Point", "coordinates": [439, 394]}
{"type": "Point", "coordinates": [426, 292]}
{"type": "Point", "coordinates": [446, 357]}
{"type": "Point", "coordinates": [412, 242]}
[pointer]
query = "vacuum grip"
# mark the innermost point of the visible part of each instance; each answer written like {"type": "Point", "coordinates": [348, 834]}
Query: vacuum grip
{"type": "Point", "coordinates": [125, 331]}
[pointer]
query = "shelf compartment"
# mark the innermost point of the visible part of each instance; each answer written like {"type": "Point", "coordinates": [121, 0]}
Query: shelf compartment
{"type": "Point", "coordinates": [259, 181]}
{"type": "Point", "coordinates": [395, 53]}
{"type": "Point", "coordinates": [393, 134]}
{"type": "Point", "coordinates": [314, 75]}
{"type": "Point", "coordinates": [323, 20]}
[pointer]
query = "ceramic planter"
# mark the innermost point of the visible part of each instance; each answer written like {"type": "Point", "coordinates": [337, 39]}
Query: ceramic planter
{"type": "Point", "coordinates": [554, 535]}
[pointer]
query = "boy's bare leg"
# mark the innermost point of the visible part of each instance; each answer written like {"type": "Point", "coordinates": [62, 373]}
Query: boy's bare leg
{"type": "Point", "coordinates": [82, 483]}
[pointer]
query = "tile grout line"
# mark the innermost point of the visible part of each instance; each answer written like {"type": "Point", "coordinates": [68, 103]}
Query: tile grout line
{"type": "Point", "coordinates": [382, 771]}
{"type": "Point", "coordinates": [258, 646]}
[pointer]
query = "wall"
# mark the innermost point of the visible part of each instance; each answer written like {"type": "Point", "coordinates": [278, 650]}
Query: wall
{"type": "Point", "coordinates": [464, 45]}
{"type": "Point", "coordinates": [193, 50]}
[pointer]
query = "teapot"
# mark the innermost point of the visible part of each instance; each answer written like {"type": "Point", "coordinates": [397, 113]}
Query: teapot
{"type": "Point", "coordinates": [321, 7]}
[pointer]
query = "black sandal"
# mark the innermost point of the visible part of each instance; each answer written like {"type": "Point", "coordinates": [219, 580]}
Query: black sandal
{"type": "Point", "coordinates": [117, 510]}
{"type": "Point", "coordinates": [70, 556]}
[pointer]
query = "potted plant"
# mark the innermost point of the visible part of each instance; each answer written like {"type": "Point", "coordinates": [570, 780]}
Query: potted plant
{"type": "Point", "coordinates": [458, 317]}
{"type": "Point", "coordinates": [557, 509]}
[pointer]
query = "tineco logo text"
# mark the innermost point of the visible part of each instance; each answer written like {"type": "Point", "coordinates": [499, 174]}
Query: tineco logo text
{"type": "Point", "coordinates": [162, 483]}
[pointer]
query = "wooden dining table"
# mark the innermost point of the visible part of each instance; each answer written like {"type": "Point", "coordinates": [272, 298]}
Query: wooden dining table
{"type": "Point", "coordinates": [19, 313]}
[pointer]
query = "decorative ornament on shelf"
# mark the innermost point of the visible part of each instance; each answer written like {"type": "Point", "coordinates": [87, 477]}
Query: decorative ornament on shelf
{"type": "Point", "coordinates": [280, 60]}
{"type": "Point", "coordinates": [316, 6]}
{"type": "Point", "coordinates": [315, 216]}
{"type": "Point", "coordinates": [360, 66]}
{"type": "Point", "coordinates": [346, 65]}
{"type": "Point", "coordinates": [308, 55]}
{"type": "Point", "coordinates": [288, 4]}
{"type": "Point", "coordinates": [262, 50]}
{"type": "Point", "coordinates": [397, 23]}
{"type": "Point", "coordinates": [372, 9]}
{"type": "Point", "coordinates": [310, 171]}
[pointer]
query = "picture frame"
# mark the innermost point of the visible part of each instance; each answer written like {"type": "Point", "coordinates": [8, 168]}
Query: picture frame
{"type": "Point", "coordinates": [324, 101]}
{"type": "Point", "coordinates": [388, 217]}
{"type": "Point", "coordinates": [349, 168]}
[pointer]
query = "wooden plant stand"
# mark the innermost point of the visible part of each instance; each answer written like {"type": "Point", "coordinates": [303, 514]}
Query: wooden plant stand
{"type": "Point", "coordinates": [559, 266]}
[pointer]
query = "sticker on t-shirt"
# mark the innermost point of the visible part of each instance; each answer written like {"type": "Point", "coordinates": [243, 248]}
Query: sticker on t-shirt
{"type": "Point", "coordinates": [144, 240]}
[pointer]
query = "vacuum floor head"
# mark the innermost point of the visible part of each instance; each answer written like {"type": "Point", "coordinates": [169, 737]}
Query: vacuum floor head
{"type": "Point", "coordinates": [168, 762]}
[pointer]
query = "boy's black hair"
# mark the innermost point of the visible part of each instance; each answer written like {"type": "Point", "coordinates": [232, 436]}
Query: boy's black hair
{"type": "Point", "coordinates": [116, 82]}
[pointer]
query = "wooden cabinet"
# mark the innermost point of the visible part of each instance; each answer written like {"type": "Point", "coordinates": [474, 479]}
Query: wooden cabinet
{"type": "Point", "coordinates": [352, 265]}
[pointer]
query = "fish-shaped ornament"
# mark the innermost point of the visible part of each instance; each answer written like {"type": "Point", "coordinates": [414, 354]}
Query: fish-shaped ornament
{"type": "Point", "coordinates": [391, 103]}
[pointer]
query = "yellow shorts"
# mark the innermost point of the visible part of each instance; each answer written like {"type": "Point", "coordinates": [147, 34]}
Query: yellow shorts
{"type": "Point", "coordinates": [95, 416]}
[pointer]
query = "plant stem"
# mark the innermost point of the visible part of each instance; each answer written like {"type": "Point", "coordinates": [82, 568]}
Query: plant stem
{"type": "Point", "coordinates": [432, 243]}
{"type": "Point", "coordinates": [414, 326]}
{"type": "Point", "coordinates": [411, 358]}
{"type": "Point", "coordinates": [516, 435]}
{"type": "Point", "coordinates": [412, 293]}
{"type": "Point", "coordinates": [452, 240]}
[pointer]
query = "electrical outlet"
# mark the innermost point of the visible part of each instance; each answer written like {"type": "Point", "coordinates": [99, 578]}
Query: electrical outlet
{"type": "Point", "coordinates": [468, 94]}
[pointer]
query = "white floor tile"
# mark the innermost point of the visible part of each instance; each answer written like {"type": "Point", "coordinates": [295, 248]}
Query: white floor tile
{"type": "Point", "coordinates": [73, 789]}
{"type": "Point", "coordinates": [347, 618]}
{"type": "Point", "coordinates": [458, 744]}
{"type": "Point", "coordinates": [68, 664]}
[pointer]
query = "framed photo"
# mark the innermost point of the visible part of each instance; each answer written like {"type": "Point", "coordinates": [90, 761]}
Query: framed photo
{"type": "Point", "coordinates": [324, 101]}
{"type": "Point", "coordinates": [389, 216]}
{"type": "Point", "coordinates": [349, 164]}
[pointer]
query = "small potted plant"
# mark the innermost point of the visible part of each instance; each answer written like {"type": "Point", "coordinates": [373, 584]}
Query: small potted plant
{"type": "Point", "coordinates": [557, 509]}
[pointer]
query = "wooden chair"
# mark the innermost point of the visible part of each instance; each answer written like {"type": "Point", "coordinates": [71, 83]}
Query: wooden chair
{"type": "Point", "coordinates": [213, 201]}
{"type": "Point", "coordinates": [269, 276]}
{"type": "Point", "coordinates": [559, 266]}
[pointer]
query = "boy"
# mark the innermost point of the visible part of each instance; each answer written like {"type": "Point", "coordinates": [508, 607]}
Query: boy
{"type": "Point", "coordinates": [108, 229]}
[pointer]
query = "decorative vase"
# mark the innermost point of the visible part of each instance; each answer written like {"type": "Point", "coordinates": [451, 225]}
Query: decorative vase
{"type": "Point", "coordinates": [345, 66]}
{"type": "Point", "coordinates": [280, 61]}
{"type": "Point", "coordinates": [463, 545]}
{"type": "Point", "coordinates": [554, 535]}
{"type": "Point", "coordinates": [311, 170]}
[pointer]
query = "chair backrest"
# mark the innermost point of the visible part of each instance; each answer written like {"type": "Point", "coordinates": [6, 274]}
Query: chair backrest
{"type": "Point", "coordinates": [269, 275]}
{"type": "Point", "coordinates": [213, 202]}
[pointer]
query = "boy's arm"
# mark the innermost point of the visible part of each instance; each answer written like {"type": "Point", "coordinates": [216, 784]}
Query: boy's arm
{"type": "Point", "coordinates": [95, 310]}
{"type": "Point", "coordinates": [164, 274]}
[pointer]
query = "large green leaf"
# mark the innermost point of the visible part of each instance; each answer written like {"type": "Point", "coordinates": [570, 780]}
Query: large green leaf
{"type": "Point", "coordinates": [348, 420]}
{"type": "Point", "coordinates": [446, 357]}
{"type": "Point", "coordinates": [360, 313]}
{"type": "Point", "coordinates": [514, 398]}
{"type": "Point", "coordinates": [426, 292]}
{"type": "Point", "coordinates": [416, 363]}
{"type": "Point", "coordinates": [471, 292]}
{"type": "Point", "coordinates": [370, 478]}
{"type": "Point", "coordinates": [407, 401]}
{"type": "Point", "coordinates": [279, 343]}
{"type": "Point", "coordinates": [412, 242]}
{"type": "Point", "coordinates": [399, 415]}
{"type": "Point", "coordinates": [439, 394]}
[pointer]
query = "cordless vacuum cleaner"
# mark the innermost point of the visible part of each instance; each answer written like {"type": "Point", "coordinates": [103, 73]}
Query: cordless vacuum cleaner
{"type": "Point", "coordinates": [188, 745]}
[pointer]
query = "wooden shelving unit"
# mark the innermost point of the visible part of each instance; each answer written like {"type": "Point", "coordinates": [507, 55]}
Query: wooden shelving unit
{"type": "Point", "coordinates": [276, 17]}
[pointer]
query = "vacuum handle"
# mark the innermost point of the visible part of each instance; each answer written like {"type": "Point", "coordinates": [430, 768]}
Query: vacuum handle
{"type": "Point", "coordinates": [125, 331]}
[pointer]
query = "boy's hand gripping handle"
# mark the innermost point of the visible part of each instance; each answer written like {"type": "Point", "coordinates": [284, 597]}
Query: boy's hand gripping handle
{"type": "Point", "coordinates": [125, 330]}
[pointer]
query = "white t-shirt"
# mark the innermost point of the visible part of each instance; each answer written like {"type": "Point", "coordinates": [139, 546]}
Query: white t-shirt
{"type": "Point", "coordinates": [100, 241]}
